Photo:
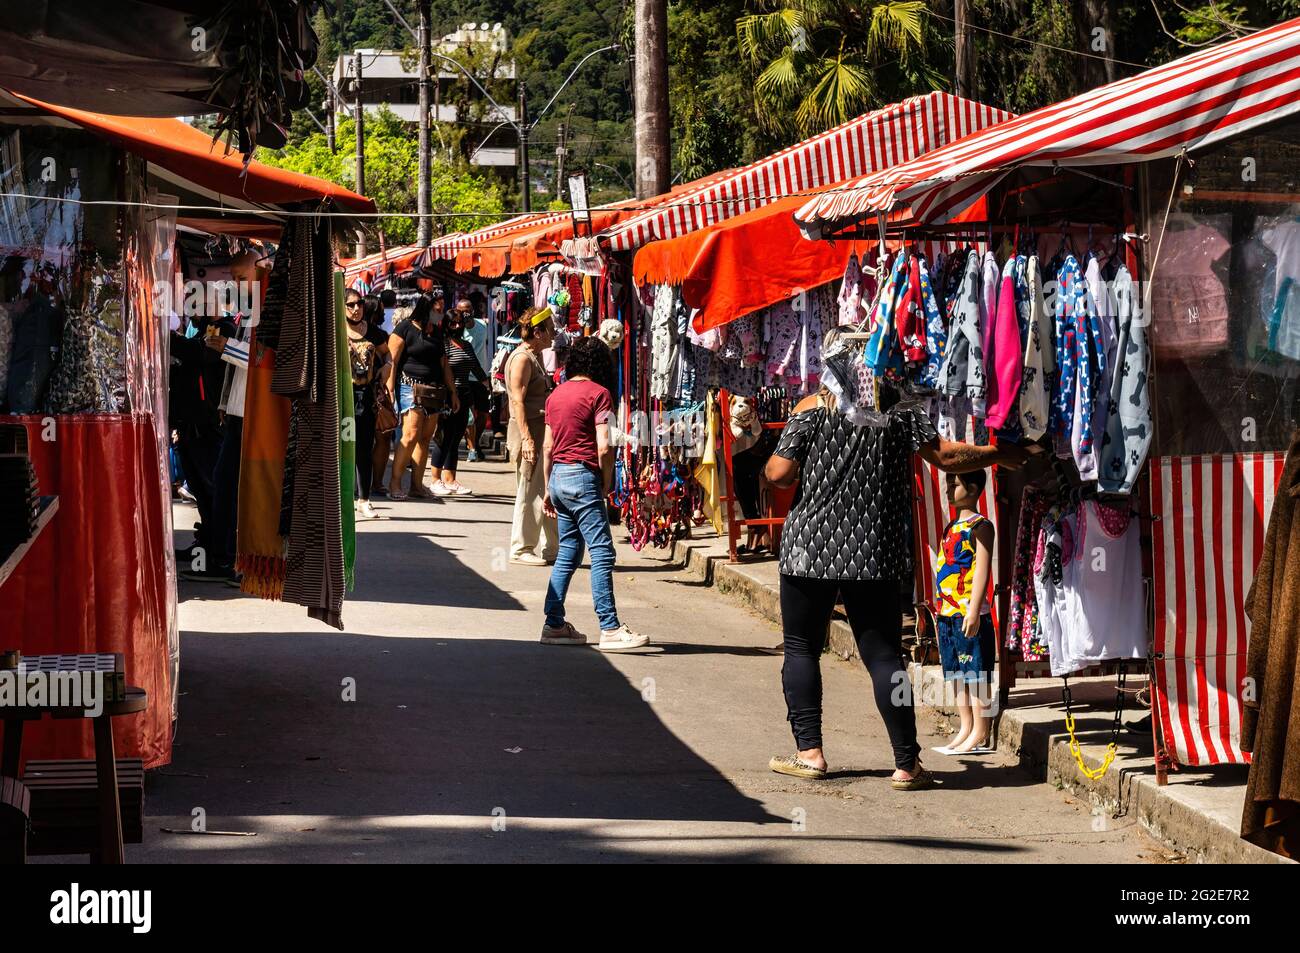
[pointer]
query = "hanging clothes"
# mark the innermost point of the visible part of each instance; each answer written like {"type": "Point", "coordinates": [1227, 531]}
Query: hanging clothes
{"type": "Point", "coordinates": [850, 299]}
{"type": "Point", "coordinates": [910, 316]}
{"type": "Point", "coordinates": [1004, 361]}
{"type": "Point", "coordinates": [1022, 622]}
{"type": "Point", "coordinates": [1098, 608]}
{"type": "Point", "coordinates": [1039, 361]}
{"type": "Point", "coordinates": [1127, 438]}
{"type": "Point", "coordinates": [936, 333]}
{"type": "Point", "coordinates": [882, 351]}
{"type": "Point", "coordinates": [1099, 306]}
{"type": "Point", "coordinates": [1081, 360]}
{"type": "Point", "coordinates": [962, 372]}
{"type": "Point", "coordinates": [1270, 717]}
{"type": "Point", "coordinates": [665, 352]}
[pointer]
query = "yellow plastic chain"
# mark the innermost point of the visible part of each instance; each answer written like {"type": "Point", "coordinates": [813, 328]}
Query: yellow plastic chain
{"type": "Point", "coordinates": [1092, 774]}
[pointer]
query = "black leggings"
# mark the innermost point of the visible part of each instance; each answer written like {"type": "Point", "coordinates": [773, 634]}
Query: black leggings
{"type": "Point", "coordinates": [364, 415]}
{"type": "Point", "coordinates": [874, 608]}
{"type": "Point", "coordinates": [445, 452]}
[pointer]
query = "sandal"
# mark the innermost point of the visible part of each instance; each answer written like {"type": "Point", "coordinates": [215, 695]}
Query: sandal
{"type": "Point", "coordinates": [919, 781]}
{"type": "Point", "coordinates": [397, 494]}
{"type": "Point", "coordinates": [796, 767]}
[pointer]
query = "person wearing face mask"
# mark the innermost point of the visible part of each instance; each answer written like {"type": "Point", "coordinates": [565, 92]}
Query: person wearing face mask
{"type": "Point", "coordinates": [368, 353]}
{"type": "Point", "coordinates": [476, 333]}
{"type": "Point", "coordinates": [419, 365]}
{"type": "Point", "coordinates": [444, 454]}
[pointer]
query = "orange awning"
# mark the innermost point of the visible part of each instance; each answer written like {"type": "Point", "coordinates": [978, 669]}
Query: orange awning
{"type": "Point", "coordinates": [749, 262]}
{"type": "Point", "coordinates": [520, 251]}
{"type": "Point", "coordinates": [191, 154]}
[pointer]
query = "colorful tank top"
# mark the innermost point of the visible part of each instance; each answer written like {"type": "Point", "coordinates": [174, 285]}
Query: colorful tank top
{"type": "Point", "coordinates": [955, 567]}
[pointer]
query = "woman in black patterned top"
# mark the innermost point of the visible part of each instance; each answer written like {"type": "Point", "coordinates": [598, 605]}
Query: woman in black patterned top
{"type": "Point", "coordinates": [849, 535]}
{"type": "Point", "coordinates": [465, 365]}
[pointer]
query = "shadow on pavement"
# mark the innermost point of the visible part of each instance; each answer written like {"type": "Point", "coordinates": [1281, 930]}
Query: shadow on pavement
{"type": "Point", "coordinates": [448, 727]}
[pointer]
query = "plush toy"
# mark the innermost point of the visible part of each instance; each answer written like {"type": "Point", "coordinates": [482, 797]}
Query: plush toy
{"type": "Point", "coordinates": [611, 332]}
{"type": "Point", "coordinates": [746, 428]}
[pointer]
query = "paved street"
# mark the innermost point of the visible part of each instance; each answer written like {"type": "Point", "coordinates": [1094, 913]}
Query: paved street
{"type": "Point", "coordinates": [469, 741]}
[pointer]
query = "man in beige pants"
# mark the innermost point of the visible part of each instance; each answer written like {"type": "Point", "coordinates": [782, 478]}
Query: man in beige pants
{"type": "Point", "coordinates": [528, 386]}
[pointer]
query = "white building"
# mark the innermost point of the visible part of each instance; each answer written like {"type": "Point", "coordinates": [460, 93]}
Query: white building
{"type": "Point", "coordinates": [385, 81]}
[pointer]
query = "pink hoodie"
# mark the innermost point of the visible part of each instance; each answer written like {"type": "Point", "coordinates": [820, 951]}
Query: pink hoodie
{"type": "Point", "coordinates": [1003, 357]}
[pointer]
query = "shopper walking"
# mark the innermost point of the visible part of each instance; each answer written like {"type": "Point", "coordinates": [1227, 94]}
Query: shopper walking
{"type": "Point", "coordinates": [848, 535]}
{"type": "Point", "coordinates": [476, 333]}
{"type": "Point", "coordinates": [528, 385]}
{"type": "Point", "coordinates": [420, 383]}
{"type": "Point", "coordinates": [444, 455]}
{"type": "Point", "coordinates": [579, 462]}
{"type": "Point", "coordinates": [368, 354]}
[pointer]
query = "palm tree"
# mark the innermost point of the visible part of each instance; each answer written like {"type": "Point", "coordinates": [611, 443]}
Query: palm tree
{"type": "Point", "coordinates": [825, 61]}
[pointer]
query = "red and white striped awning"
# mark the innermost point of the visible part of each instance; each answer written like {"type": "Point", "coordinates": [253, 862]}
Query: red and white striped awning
{"type": "Point", "coordinates": [445, 248]}
{"type": "Point", "coordinates": [1191, 102]}
{"type": "Point", "coordinates": [876, 140]}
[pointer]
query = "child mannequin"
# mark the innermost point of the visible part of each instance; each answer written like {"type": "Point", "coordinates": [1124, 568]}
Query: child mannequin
{"type": "Point", "coordinates": [748, 454]}
{"type": "Point", "coordinates": [966, 635]}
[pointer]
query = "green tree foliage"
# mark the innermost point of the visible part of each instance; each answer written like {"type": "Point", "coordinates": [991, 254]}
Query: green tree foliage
{"type": "Point", "coordinates": [824, 62]}
{"type": "Point", "coordinates": [392, 158]}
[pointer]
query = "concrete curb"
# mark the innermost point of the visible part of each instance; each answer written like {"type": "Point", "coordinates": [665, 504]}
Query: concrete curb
{"type": "Point", "coordinates": [1168, 813]}
{"type": "Point", "coordinates": [708, 560]}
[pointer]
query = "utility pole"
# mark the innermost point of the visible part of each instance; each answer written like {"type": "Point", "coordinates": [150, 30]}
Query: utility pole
{"type": "Point", "coordinates": [964, 48]}
{"type": "Point", "coordinates": [361, 146]}
{"type": "Point", "coordinates": [423, 204]}
{"type": "Point", "coordinates": [560, 154]}
{"type": "Point", "coordinates": [525, 186]}
{"type": "Point", "coordinates": [331, 107]}
{"type": "Point", "coordinates": [651, 98]}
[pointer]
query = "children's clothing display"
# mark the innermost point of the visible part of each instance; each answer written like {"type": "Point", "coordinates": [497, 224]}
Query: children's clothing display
{"type": "Point", "coordinates": [1088, 589]}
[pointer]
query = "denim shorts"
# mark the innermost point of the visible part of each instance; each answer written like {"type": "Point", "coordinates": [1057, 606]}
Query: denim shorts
{"type": "Point", "coordinates": [969, 660]}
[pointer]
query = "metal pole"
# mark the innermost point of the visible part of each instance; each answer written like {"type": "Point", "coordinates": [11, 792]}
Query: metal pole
{"type": "Point", "coordinates": [652, 158]}
{"type": "Point", "coordinates": [361, 146]}
{"type": "Point", "coordinates": [423, 204]}
{"type": "Point", "coordinates": [525, 186]}
{"type": "Point", "coordinates": [560, 153]}
{"type": "Point", "coordinates": [331, 107]}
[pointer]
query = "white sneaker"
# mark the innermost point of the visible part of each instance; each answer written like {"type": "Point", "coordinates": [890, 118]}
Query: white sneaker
{"type": "Point", "coordinates": [458, 489]}
{"type": "Point", "coordinates": [621, 639]}
{"type": "Point", "coordinates": [562, 635]}
{"type": "Point", "coordinates": [440, 489]}
{"type": "Point", "coordinates": [528, 559]}
{"type": "Point", "coordinates": [365, 511]}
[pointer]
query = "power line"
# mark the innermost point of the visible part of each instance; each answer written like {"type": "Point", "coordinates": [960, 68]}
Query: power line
{"type": "Point", "coordinates": [1045, 46]}
{"type": "Point", "coordinates": [281, 213]}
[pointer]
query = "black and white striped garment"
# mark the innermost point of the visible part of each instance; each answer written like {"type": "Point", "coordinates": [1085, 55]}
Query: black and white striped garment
{"type": "Point", "coordinates": [464, 362]}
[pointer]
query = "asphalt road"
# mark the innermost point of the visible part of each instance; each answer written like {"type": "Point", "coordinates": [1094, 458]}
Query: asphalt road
{"type": "Point", "coordinates": [469, 741]}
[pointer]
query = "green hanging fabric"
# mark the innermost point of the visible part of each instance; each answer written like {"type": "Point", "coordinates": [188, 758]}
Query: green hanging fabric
{"type": "Point", "coordinates": [347, 438]}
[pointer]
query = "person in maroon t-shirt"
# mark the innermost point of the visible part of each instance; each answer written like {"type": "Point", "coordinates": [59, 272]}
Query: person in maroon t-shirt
{"type": "Point", "coordinates": [577, 461]}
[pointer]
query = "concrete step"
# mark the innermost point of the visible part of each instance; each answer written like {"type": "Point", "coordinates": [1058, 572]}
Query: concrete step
{"type": "Point", "coordinates": [1197, 814]}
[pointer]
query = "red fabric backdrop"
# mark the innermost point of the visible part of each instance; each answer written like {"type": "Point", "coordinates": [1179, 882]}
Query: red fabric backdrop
{"type": "Point", "coordinates": [95, 580]}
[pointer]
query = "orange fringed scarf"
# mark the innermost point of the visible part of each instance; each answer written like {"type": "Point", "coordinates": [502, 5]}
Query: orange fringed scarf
{"type": "Point", "coordinates": [261, 477]}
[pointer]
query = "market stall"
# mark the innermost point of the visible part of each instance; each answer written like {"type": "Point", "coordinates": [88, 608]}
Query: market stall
{"type": "Point", "coordinates": [1144, 229]}
{"type": "Point", "coordinates": [89, 223]}
{"type": "Point", "coordinates": [736, 301]}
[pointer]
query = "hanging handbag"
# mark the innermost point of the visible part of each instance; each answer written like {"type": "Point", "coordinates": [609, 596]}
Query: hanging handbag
{"type": "Point", "coordinates": [385, 415]}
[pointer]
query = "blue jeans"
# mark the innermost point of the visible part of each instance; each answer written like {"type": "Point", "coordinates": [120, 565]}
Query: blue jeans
{"type": "Point", "coordinates": [580, 506]}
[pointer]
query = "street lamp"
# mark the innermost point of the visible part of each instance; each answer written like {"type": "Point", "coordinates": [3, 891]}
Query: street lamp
{"type": "Point", "coordinates": [522, 126]}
